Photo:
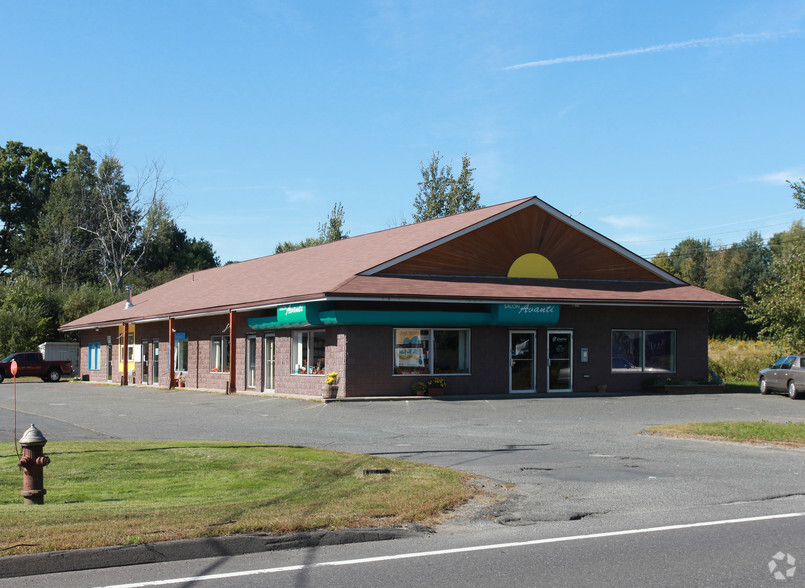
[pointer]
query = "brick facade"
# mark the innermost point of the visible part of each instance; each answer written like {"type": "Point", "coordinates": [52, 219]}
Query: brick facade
{"type": "Point", "coordinates": [363, 355]}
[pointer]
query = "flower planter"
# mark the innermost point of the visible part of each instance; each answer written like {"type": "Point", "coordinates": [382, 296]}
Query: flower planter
{"type": "Point", "coordinates": [329, 391]}
{"type": "Point", "coordinates": [435, 391]}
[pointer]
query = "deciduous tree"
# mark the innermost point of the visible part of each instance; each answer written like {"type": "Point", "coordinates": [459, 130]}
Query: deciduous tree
{"type": "Point", "coordinates": [779, 301]}
{"type": "Point", "coordinates": [127, 217]}
{"type": "Point", "coordinates": [26, 175]}
{"type": "Point", "coordinates": [65, 255]}
{"type": "Point", "coordinates": [440, 194]}
{"type": "Point", "coordinates": [332, 229]}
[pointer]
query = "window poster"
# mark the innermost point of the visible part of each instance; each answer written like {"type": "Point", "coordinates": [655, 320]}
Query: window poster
{"type": "Point", "coordinates": [410, 357]}
{"type": "Point", "coordinates": [408, 337]}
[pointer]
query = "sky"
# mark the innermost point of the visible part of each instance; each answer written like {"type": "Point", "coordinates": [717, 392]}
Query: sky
{"type": "Point", "coordinates": [649, 122]}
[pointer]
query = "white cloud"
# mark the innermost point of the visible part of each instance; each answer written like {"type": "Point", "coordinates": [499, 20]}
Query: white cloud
{"type": "Point", "coordinates": [297, 195]}
{"type": "Point", "coordinates": [631, 222]}
{"type": "Point", "coordinates": [709, 42]}
{"type": "Point", "coordinates": [780, 177]}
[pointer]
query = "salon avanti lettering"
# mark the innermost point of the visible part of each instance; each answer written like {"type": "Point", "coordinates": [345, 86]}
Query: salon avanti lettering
{"type": "Point", "coordinates": [531, 308]}
{"type": "Point", "coordinates": [289, 312]}
{"type": "Point", "coordinates": [526, 314]}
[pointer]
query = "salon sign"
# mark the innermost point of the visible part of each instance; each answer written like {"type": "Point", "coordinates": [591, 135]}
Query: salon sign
{"type": "Point", "coordinates": [299, 314]}
{"type": "Point", "coordinates": [526, 314]}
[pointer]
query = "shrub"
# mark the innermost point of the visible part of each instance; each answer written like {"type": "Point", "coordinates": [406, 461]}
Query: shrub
{"type": "Point", "coordinates": [737, 360]}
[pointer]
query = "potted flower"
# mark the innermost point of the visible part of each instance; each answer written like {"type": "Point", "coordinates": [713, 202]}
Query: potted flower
{"type": "Point", "coordinates": [436, 386]}
{"type": "Point", "coordinates": [330, 386]}
{"type": "Point", "coordinates": [419, 388]}
{"type": "Point", "coordinates": [181, 379]}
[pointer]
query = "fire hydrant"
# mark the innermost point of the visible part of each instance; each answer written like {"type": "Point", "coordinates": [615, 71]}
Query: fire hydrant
{"type": "Point", "coordinates": [32, 463]}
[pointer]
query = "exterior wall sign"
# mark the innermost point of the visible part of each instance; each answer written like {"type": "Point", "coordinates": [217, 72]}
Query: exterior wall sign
{"type": "Point", "coordinates": [297, 314]}
{"type": "Point", "coordinates": [291, 314]}
{"type": "Point", "coordinates": [526, 314]}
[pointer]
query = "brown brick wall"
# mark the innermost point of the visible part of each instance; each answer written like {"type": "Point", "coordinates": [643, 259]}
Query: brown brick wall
{"type": "Point", "coordinates": [363, 356]}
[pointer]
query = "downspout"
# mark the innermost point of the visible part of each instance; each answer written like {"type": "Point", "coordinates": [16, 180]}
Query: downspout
{"type": "Point", "coordinates": [233, 340]}
{"type": "Point", "coordinates": [172, 348]}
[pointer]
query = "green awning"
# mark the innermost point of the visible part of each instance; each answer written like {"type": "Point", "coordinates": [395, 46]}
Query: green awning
{"type": "Point", "coordinates": [405, 318]}
{"type": "Point", "coordinates": [314, 314]}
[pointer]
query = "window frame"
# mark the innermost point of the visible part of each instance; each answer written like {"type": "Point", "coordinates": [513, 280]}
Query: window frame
{"type": "Point", "coordinates": [642, 352]}
{"type": "Point", "coordinates": [300, 366]}
{"type": "Point", "coordinates": [429, 347]}
{"type": "Point", "coordinates": [219, 363]}
{"type": "Point", "coordinates": [179, 356]}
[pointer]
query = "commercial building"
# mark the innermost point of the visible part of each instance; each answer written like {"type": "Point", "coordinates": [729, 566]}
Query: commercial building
{"type": "Point", "coordinates": [512, 298]}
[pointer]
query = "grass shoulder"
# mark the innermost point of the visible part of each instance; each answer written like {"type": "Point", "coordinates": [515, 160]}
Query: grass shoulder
{"type": "Point", "coordinates": [790, 433]}
{"type": "Point", "coordinates": [119, 492]}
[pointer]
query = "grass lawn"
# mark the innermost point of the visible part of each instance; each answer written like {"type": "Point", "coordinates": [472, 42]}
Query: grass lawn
{"type": "Point", "coordinates": [120, 492]}
{"type": "Point", "coordinates": [749, 432]}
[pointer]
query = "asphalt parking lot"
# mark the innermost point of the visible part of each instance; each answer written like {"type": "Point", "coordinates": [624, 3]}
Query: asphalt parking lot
{"type": "Point", "coordinates": [559, 457]}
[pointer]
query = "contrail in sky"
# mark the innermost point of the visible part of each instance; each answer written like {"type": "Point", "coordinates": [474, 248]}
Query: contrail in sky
{"type": "Point", "coordinates": [734, 39]}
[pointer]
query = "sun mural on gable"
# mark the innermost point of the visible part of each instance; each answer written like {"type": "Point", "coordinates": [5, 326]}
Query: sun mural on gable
{"type": "Point", "coordinates": [532, 265]}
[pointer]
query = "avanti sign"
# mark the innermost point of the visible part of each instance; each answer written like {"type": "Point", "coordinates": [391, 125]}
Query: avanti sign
{"type": "Point", "coordinates": [527, 314]}
{"type": "Point", "coordinates": [299, 314]}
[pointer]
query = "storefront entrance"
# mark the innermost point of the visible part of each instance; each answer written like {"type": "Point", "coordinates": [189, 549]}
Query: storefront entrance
{"type": "Point", "coordinates": [560, 361]}
{"type": "Point", "coordinates": [269, 363]}
{"type": "Point", "coordinates": [522, 373]}
{"type": "Point", "coordinates": [144, 357]}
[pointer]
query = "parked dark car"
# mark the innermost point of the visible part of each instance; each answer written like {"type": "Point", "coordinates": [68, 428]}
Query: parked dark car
{"type": "Point", "coordinates": [32, 364]}
{"type": "Point", "coordinates": [786, 375]}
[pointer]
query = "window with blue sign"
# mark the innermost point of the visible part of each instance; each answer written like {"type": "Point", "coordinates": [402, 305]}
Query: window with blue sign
{"type": "Point", "coordinates": [431, 351]}
{"type": "Point", "coordinates": [94, 356]}
{"type": "Point", "coordinates": [643, 351]}
{"type": "Point", "coordinates": [180, 352]}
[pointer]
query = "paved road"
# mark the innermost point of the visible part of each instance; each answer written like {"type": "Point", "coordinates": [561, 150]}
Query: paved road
{"type": "Point", "coordinates": [577, 464]}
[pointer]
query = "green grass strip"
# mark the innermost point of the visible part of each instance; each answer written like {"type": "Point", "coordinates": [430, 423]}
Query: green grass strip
{"type": "Point", "coordinates": [120, 492]}
{"type": "Point", "coordinates": [755, 432]}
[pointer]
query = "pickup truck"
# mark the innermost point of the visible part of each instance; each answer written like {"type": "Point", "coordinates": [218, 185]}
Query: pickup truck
{"type": "Point", "coordinates": [32, 364]}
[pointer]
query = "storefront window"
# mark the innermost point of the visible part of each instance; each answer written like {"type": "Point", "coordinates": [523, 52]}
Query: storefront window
{"type": "Point", "coordinates": [626, 350]}
{"type": "Point", "coordinates": [181, 354]}
{"type": "Point", "coordinates": [129, 347]}
{"type": "Point", "coordinates": [643, 351]}
{"type": "Point", "coordinates": [307, 353]}
{"type": "Point", "coordinates": [219, 353]}
{"type": "Point", "coordinates": [660, 351]}
{"type": "Point", "coordinates": [411, 348]}
{"type": "Point", "coordinates": [431, 351]}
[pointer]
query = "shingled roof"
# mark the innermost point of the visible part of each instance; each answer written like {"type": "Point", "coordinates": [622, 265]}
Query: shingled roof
{"type": "Point", "coordinates": [364, 267]}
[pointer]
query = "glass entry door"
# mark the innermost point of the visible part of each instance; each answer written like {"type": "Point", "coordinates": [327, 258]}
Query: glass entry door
{"type": "Point", "coordinates": [522, 375]}
{"type": "Point", "coordinates": [155, 363]}
{"type": "Point", "coordinates": [144, 357]}
{"type": "Point", "coordinates": [251, 360]}
{"type": "Point", "coordinates": [560, 361]}
{"type": "Point", "coordinates": [270, 363]}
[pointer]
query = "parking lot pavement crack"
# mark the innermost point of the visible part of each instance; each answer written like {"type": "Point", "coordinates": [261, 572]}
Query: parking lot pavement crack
{"type": "Point", "coordinates": [767, 498]}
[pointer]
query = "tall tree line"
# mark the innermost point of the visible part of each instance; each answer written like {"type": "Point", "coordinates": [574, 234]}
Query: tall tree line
{"type": "Point", "coordinates": [73, 232]}
{"type": "Point", "coordinates": [768, 277]}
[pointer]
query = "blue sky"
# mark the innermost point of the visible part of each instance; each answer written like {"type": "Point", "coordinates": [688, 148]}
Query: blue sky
{"type": "Point", "coordinates": [647, 121]}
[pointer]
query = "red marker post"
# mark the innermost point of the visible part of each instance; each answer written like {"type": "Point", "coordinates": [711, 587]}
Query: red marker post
{"type": "Point", "coordinates": [14, 374]}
